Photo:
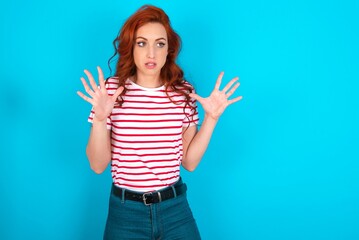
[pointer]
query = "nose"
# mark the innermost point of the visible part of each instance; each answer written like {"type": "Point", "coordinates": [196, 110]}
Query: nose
{"type": "Point", "coordinates": [151, 52]}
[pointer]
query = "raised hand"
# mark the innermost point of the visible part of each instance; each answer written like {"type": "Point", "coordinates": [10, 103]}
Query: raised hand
{"type": "Point", "coordinates": [102, 103]}
{"type": "Point", "coordinates": [217, 102]}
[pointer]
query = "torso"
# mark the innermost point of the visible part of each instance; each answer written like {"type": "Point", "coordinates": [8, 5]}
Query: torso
{"type": "Point", "coordinates": [146, 137]}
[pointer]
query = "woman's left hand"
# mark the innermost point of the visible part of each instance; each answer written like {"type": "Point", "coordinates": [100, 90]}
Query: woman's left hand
{"type": "Point", "coordinates": [217, 102]}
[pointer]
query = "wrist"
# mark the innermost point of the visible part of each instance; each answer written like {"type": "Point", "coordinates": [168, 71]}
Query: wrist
{"type": "Point", "coordinates": [210, 119]}
{"type": "Point", "coordinates": [97, 121]}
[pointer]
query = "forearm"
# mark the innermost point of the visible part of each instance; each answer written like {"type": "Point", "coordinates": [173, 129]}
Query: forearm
{"type": "Point", "coordinates": [199, 144]}
{"type": "Point", "coordinates": [99, 146]}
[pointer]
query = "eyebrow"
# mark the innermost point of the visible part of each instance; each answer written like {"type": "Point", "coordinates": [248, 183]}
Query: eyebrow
{"type": "Point", "coordinates": [155, 40]}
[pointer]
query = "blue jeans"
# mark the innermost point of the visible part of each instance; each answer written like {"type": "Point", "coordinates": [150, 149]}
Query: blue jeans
{"type": "Point", "coordinates": [171, 219]}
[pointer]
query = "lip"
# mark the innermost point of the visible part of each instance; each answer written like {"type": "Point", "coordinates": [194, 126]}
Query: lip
{"type": "Point", "coordinates": [150, 65]}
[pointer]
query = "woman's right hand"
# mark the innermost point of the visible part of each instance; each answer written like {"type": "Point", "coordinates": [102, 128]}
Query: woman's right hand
{"type": "Point", "coordinates": [102, 103]}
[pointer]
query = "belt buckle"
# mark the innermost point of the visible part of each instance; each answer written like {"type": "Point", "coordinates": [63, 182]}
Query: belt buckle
{"type": "Point", "coordinates": [144, 198]}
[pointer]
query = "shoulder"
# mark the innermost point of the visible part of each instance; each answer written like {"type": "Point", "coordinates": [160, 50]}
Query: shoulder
{"type": "Point", "coordinates": [111, 84]}
{"type": "Point", "coordinates": [112, 80]}
{"type": "Point", "coordinates": [187, 83]}
{"type": "Point", "coordinates": [185, 86]}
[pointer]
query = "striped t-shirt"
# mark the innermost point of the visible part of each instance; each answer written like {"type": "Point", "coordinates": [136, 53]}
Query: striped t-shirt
{"type": "Point", "coordinates": [146, 136]}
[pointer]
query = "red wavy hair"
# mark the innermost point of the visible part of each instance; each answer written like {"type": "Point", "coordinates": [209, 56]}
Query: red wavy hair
{"type": "Point", "coordinates": [171, 74]}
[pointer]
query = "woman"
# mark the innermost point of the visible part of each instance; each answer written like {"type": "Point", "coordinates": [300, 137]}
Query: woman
{"type": "Point", "coordinates": [144, 121]}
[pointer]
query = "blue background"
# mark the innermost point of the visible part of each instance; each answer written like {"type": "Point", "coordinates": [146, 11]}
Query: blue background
{"type": "Point", "coordinates": [282, 163]}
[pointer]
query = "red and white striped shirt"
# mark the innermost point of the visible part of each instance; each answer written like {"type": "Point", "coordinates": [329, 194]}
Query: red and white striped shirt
{"type": "Point", "coordinates": [146, 136]}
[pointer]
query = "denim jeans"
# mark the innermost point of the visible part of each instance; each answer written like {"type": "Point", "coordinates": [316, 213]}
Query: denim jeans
{"type": "Point", "coordinates": [168, 220]}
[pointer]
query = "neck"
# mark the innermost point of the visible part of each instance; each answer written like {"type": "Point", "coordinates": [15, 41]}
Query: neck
{"type": "Point", "coordinates": [148, 81]}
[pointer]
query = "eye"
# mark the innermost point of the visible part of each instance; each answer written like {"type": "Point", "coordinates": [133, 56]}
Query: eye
{"type": "Point", "coordinates": [160, 44]}
{"type": "Point", "coordinates": [141, 44]}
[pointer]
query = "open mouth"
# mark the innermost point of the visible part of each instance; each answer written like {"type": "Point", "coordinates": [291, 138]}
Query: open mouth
{"type": "Point", "coordinates": [150, 65]}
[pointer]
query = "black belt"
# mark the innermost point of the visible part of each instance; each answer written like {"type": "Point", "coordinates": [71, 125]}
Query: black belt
{"type": "Point", "coordinates": [152, 197]}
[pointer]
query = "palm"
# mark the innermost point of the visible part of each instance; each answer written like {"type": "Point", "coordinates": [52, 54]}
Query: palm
{"type": "Point", "coordinates": [102, 105]}
{"type": "Point", "coordinates": [102, 102]}
{"type": "Point", "coordinates": [217, 102]}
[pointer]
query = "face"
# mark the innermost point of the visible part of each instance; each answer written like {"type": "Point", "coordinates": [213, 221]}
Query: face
{"type": "Point", "coordinates": [150, 50]}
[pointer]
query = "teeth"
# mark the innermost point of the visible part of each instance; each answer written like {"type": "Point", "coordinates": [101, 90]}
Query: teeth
{"type": "Point", "coordinates": [150, 64]}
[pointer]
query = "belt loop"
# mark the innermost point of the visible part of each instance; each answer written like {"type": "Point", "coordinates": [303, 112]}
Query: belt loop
{"type": "Point", "coordinates": [174, 191]}
{"type": "Point", "coordinates": [123, 195]}
{"type": "Point", "coordinates": [159, 196]}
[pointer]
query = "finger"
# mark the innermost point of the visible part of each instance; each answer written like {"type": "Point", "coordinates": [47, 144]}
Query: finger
{"type": "Point", "coordinates": [235, 100]}
{"type": "Point", "coordinates": [101, 79]}
{"type": "Point", "coordinates": [117, 93]}
{"type": "Point", "coordinates": [84, 97]}
{"type": "Point", "coordinates": [232, 90]}
{"type": "Point", "coordinates": [87, 88]}
{"type": "Point", "coordinates": [228, 86]}
{"type": "Point", "coordinates": [92, 80]}
{"type": "Point", "coordinates": [197, 97]}
{"type": "Point", "coordinates": [219, 80]}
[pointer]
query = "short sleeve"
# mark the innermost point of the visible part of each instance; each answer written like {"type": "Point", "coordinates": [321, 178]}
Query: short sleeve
{"type": "Point", "coordinates": [111, 87]}
{"type": "Point", "coordinates": [191, 114]}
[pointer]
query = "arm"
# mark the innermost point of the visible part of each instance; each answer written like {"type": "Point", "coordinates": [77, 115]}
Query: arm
{"type": "Point", "coordinates": [195, 143]}
{"type": "Point", "coordinates": [98, 149]}
{"type": "Point", "coordinates": [99, 145]}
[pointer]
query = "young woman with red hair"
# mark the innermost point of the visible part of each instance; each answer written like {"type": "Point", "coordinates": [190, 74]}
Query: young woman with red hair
{"type": "Point", "coordinates": [144, 121]}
